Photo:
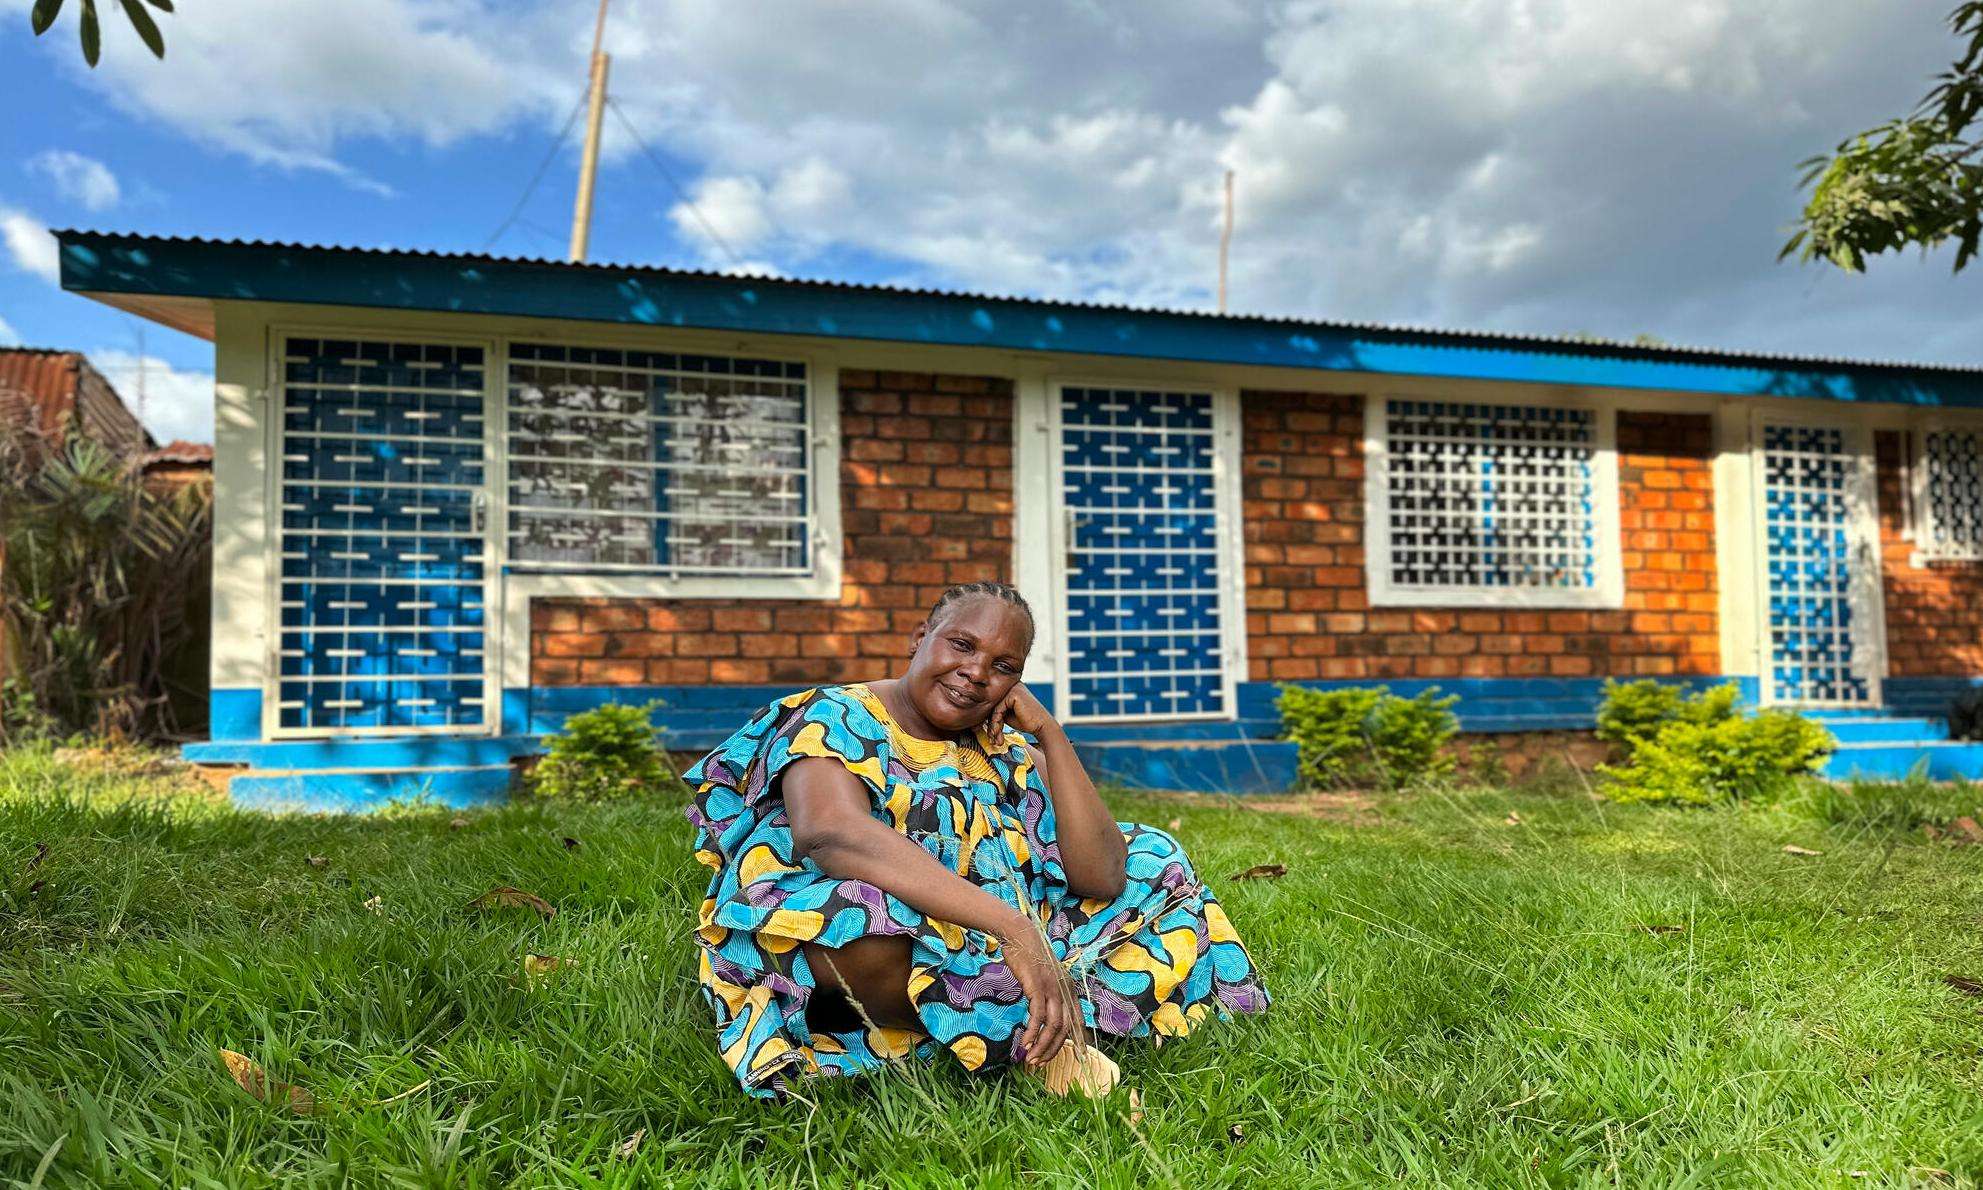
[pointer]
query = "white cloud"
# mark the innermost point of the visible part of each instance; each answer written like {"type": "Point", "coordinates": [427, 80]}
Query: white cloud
{"type": "Point", "coordinates": [9, 337]}
{"type": "Point", "coordinates": [1543, 165]}
{"type": "Point", "coordinates": [285, 84]}
{"type": "Point", "coordinates": [29, 245]}
{"type": "Point", "coordinates": [178, 403]}
{"type": "Point", "coordinates": [78, 178]}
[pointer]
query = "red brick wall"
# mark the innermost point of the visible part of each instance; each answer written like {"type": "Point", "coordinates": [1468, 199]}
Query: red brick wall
{"type": "Point", "coordinates": [1308, 615]}
{"type": "Point", "coordinates": [926, 500]}
{"type": "Point", "coordinates": [1934, 611]}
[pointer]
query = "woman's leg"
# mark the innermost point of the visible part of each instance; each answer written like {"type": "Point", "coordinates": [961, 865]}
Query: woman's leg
{"type": "Point", "coordinates": [873, 971]}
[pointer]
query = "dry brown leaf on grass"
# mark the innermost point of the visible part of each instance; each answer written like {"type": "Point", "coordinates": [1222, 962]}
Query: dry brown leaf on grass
{"type": "Point", "coordinates": [1967, 826]}
{"type": "Point", "coordinates": [631, 1145]}
{"type": "Point", "coordinates": [504, 897]}
{"type": "Point", "coordinates": [544, 964]}
{"type": "Point", "coordinates": [458, 823]}
{"type": "Point", "coordinates": [1662, 929]}
{"type": "Point", "coordinates": [1513, 819]}
{"type": "Point", "coordinates": [34, 861]}
{"type": "Point", "coordinates": [317, 861]}
{"type": "Point", "coordinates": [1794, 849]}
{"type": "Point", "coordinates": [1236, 1135]}
{"type": "Point", "coordinates": [1261, 872]}
{"type": "Point", "coordinates": [1135, 1107]}
{"type": "Point", "coordinates": [1965, 985]}
{"type": "Point", "coordinates": [1173, 824]}
{"type": "Point", "coordinates": [253, 1079]}
{"type": "Point", "coordinates": [376, 905]}
{"type": "Point", "coordinates": [570, 843]}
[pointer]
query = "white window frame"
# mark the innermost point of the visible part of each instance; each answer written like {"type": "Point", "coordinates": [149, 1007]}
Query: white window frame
{"type": "Point", "coordinates": [1228, 539]}
{"type": "Point", "coordinates": [1915, 475]}
{"type": "Point", "coordinates": [609, 580]}
{"type": "Point", "coordinates": [1609, 590]}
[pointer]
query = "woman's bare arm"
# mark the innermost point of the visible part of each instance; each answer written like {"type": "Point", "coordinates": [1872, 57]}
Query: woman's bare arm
{"type": "Point", "coordinates": [1092, 850]}
{"type": "Point", "coordinates": [834, 827]}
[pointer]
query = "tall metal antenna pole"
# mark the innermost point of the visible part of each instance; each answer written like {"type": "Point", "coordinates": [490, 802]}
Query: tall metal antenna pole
{"type": "Point", "coordinates": [581, 215]}
{"type": "Point", "coordinates": [1225, 244]}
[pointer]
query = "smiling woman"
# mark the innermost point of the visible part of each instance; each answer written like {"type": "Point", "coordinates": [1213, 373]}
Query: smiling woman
{"type": "Point", "coordinates": [899, 871]}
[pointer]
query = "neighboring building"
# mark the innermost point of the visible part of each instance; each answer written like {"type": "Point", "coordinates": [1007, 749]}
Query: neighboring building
{"type": "Point", "coordinates": [52, 395]}
{"type": "Point", "coordinates": [179, 463]}
{"type": "Point", "coordinates": [460, 497]}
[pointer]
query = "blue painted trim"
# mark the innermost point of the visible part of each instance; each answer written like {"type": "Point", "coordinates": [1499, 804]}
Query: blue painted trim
{"type": "Point", "coordinates": [416, 752]}
{"type": "Point", "coordinates": [1928, 696]}
{"type": "Point", "coordinates": [94, 262]}
{"type": "Point", "coordinates": [234, 713]}
{"type": "Point", "coordinates": [319, 792]}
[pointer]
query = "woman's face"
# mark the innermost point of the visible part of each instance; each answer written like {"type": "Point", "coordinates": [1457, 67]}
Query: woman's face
{"type": "Point", "coordinates": [966, 661]}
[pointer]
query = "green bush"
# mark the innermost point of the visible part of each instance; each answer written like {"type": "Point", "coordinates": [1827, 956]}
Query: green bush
{"type": "Point", "coordinates": [1699, 749]}
{"type": "Point", "coordinates": [1367, 735]}
{"type": "Point", "coordinates": [609, 753]}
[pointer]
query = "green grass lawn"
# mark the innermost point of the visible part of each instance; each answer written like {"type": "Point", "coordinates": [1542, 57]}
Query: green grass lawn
{"type": "Point", "coordinates": [1472, 986]}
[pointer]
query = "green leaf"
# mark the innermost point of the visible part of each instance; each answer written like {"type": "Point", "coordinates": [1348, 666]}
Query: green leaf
{"type": "Point", "coordinates": [146, 27]}
{"type": "Point", "coordinates": [92, 33]}
{"type": "Point", "coordinates": [45, 12]}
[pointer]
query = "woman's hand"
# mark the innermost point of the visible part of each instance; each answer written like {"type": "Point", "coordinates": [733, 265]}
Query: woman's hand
{"type": "Point", "coordinates": [1053, 1008]}
{"type": "Point", "coordinates": [1020, 710]}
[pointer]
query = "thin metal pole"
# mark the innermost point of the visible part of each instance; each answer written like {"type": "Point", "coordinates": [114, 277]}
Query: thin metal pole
{"type": "Point", "coordinates": [588, 168]}
{"type": "Point", "coordinates": [1225, 244]}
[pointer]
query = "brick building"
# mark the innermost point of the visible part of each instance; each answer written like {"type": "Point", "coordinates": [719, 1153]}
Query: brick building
{"type": "Point", "coordinates": [462, 497]}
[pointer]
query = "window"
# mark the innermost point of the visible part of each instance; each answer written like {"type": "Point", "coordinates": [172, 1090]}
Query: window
{"type": "Point", "coordinates": [1492, 505]}
{"type": "Point", "coordinates": [1950, 494]}
{"type": "Point", "coordinates": [657, 463]}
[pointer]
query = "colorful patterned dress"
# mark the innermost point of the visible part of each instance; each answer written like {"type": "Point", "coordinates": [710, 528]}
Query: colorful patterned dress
{"type": "Point", "coordinates": [1157, 959]}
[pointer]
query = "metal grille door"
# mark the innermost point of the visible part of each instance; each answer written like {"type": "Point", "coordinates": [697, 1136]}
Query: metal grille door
{"type": "Point", "coordinates": [1822, 617]}
{"type": "Point", "coordinates": [382, 538]}
{"type": "Point", "coordinates": [1143, 569]}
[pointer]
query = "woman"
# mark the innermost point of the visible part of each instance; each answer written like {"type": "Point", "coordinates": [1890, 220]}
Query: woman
{"type": "Point", "coordinates": [898, 871]}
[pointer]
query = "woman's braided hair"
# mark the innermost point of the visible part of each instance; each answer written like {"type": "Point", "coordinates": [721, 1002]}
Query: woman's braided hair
{"type": "Point", "coordinates": [1003, 592]}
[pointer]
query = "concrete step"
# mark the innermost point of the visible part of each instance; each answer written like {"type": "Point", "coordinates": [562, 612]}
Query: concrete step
{"type": "Point", "coordinates": [1191, 766]}
{"type": "Point", "coordinates": [1883, 729]}
{"type": "Point", "coordinates": [321, 790]}
{"type": "Point", "coordinates": [1938, 760]}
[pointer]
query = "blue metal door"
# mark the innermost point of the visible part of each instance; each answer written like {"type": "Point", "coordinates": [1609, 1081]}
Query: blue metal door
{"type": "Point", "coordinates": [1144, 571]}
{"type": "Point", "coordinates": [1820, 574]}
{"type": "Point", "coordinates": [381, 538]}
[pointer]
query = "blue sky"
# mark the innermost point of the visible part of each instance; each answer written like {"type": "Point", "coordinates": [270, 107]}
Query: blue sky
{"type": "Point", "coordinates": [1529, 165]}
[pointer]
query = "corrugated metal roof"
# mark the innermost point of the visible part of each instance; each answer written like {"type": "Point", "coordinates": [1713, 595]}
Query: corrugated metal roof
{"type": "Point", "coordinates": [48, 379]}
{"type": "Point", "coordinates": [180, 452]}
{"type": "Point", "coordinates": [1457, 337]}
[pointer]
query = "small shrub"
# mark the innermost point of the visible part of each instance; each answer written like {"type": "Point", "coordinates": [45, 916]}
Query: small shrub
{"type": "Point", "coordinates": [609, 753]}
{"type": "Point", "coordinates": [1633, 712]}
{"type": "Point", "coordinates": [1699, 749]}
{"type": "Point", "coordinates": [1364, 735]}
{"type": "Point", "coordinates": [1966, 717]}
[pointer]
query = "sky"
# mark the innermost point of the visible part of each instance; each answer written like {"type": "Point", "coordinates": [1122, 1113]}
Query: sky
{"type": "Point", "coordinates": [1549, 166]}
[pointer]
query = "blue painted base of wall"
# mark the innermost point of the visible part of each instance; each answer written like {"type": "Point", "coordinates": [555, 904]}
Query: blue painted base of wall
{"type": "Point", "coordinates": [345, 791]}
{"type": "Point", "coordinates": [1240, 755]}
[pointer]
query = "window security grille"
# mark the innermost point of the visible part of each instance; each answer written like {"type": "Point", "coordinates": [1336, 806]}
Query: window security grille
{"type": "Point", "coordinates": [657, 462]}
{"type": "Point", "coordinates": [1815, 589]}
{"type": "Point", "coordinates": [1952, 494]}
{"type": "Point", "coordinates": [1141, 575]}
{"type": "Point", "coordinates": [1490, 497]}
{"type": "Point", "coordinates": [381, 543]}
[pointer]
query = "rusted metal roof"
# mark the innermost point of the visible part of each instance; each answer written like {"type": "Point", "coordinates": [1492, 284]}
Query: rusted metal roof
{"type": "Point", "coordinates": [53, 393]}
{"type": "Point", "coordinates": [182, 453]}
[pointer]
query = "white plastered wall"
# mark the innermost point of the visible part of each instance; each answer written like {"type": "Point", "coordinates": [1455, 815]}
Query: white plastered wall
{"type": "Point", "coordinates": [242, 604]}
